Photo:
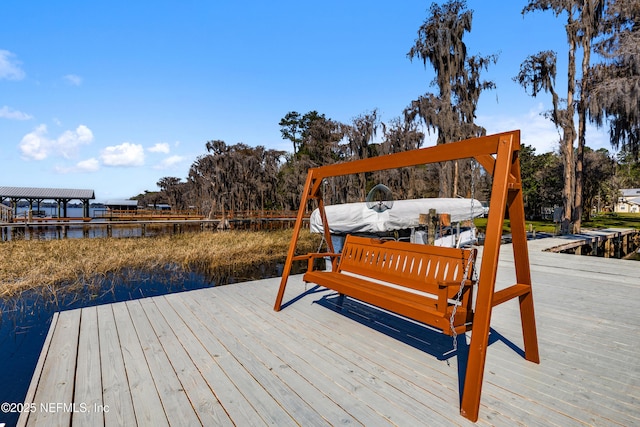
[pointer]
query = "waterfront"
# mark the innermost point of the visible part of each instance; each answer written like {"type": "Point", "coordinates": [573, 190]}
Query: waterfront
{"type": "Point", "coordinates": [40, 277]}
{"type": "Point", "coordinates": [25, 320]}
{"type": "Point", "coordinates": [172, 266]}
{"type": "Point", "coordinates": [222, 356]}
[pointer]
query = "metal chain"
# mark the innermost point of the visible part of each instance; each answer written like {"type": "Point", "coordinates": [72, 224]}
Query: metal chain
{"type": "Point", "coordinates": [458, 298]}
{"type": "Point", "coordinates": [323, 240]}
{"type": "Point", "coordinates": [465, 277]}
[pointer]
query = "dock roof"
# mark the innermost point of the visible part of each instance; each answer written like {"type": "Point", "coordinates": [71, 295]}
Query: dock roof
{"type": "Point", "coordinates": [32, 193]}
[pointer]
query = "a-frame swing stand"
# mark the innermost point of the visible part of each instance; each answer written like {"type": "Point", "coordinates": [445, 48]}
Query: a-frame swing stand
{"type": "Point", "coordinates": [498, 154]}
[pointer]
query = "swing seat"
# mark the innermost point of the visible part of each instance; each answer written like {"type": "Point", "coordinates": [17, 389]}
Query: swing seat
{"type": "Point", "coordinates": [416, 281]}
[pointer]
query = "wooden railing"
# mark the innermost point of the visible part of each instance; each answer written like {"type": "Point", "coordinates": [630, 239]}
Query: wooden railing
{"type": "Point", "coordinates": [150, 214]}
{"type": "Point", "coordinates": [254, 214]}
{"type": "Point", "coordinates": [6, 213]}
{"type": "Point", "coordinates": [147, 214]}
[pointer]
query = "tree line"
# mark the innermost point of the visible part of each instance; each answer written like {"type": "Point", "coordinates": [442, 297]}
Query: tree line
{"type": "Point", "coordinates": [239, 177]}
{"type": "Point", "coordinates": [604, 172]}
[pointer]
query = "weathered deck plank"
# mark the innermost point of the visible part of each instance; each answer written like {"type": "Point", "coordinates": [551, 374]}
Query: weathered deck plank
{"type": "Point", "coordinates": [39, 367]}
{"type": "Point", "coordinates": [209, 410]}
{"type": "Point", "coordinates": [236, 390]}
{"type": "Point", "coordinates": [146, 401]}
{"type": "Point", "coordinates": [58, 373]}
{"type": "Point", "coordinates": [88, 381]}
{"type": "Point", "coordinates": [267, 374]}
{"type": "Point", "coordinates": [297, 376]}
{"type": "Point", "coordinates": [172, 394]}
{"type": "Point", "coordinates": [355, 387]}
{"type": "Point", "coordinates": [223, 356]}
{"type": "Point", "coordinates": [116, 394]}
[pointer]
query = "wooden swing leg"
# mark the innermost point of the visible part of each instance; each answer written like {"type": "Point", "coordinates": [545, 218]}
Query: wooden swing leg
{"type": "Point", "coordinates": [484, 302]}
{"type": "Point", "coordinates": [523, 273]}
{"type": "Point", "coordinates": [506, 191]}
{"type": "Point", "coordinates": [286, 271]}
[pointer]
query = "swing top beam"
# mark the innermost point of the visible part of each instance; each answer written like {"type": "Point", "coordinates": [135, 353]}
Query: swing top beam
{"type": "Point", "coordinates": [498, 154]}
{"type": "Point", "coordinates": [482, 149]}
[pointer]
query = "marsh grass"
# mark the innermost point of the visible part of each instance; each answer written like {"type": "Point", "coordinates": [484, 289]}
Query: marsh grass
{"type": "Point", "coordinates": [73, 265]}
{"type": "Point", "coordinates": [606, 220]}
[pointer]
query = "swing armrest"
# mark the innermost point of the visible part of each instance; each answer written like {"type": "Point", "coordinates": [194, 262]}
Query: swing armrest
{"type": "Point", "coordinates": [453, 283]}
{"type": "Point", "coordinates": [444, 293]}
{"type": "Point", "coordinates": [310, 257]}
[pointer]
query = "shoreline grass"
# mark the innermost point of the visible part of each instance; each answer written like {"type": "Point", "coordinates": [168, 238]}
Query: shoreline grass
{"type": "Point", "coordinates": [70, 265]}
{"type": "Point", "coordinates": [606, 220]}
{"type": "Point", "coordinates": [73, 264]}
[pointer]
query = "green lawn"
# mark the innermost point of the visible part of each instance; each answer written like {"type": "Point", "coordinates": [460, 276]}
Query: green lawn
{"type": "Point", "coordinates": [607, 220]}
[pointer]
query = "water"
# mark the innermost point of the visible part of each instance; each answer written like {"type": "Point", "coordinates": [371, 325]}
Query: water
{"type": "Point", "coordinates": [25, 322]}
{"type": "Point", "coordinates": [96, 229]}
{"type": "Point", "coordinates": [52, 211]}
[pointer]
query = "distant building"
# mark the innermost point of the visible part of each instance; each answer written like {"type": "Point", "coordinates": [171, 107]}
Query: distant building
{"type": "Point", "coordinates": [628, 201]}
{"type": "Point", "coordinates": [121, 205]}
{"type": "Point", "coordinates": [159, 207]}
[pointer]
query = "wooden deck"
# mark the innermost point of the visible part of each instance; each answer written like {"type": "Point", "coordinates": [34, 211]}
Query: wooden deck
{"type": "Point", "coordinates": [222, 356]}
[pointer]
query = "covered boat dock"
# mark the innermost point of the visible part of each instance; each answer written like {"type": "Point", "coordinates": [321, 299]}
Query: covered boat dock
{"type": "Point", "coordinates": [62, 196]}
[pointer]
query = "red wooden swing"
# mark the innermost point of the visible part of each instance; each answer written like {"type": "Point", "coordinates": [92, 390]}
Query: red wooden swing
{"type": "Point", "coordinates": [498, 154]}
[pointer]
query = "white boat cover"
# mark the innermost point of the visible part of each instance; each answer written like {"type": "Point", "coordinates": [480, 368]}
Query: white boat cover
{"type": "Point", "coordinates": [358, 218]}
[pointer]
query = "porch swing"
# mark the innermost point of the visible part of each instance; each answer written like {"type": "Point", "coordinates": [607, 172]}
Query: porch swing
{"type": "Point", "coordinates": [388, 273]}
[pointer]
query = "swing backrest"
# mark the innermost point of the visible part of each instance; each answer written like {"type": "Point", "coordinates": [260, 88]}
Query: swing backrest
{"type": "Point", "coordinates": [419, 267]}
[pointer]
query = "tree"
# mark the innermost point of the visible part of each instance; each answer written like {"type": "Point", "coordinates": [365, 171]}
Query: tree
{"type": "Point", "coordinates": [614, 84]}
{"type": "Point", "coordinates": [295, 127]}
{"type": "Point", "coordinates": [529, 164]}
{"type": "Point", "coordinates": [599, 171]}
{"type": "Point", "coordinates": [628, 169]}
{"type": "Point", "coordinates": [539, 72]}
{"type": "Point", "coordinates": [451, 112]}
{"type": "Point", "coordinates": [360, 136]}
{"type": "Point", "coordinates": [406, 183]}
{"type": "Point", "coordinates": [318, 144]}
{"type": "Point", "coordinates": [541, 180]}
{"type": "Point", "coordinates": [171, 187]}
{"type": "Point", "coordinates": [236, 177]}
{"type": "Point", "coordinates": [591, 12]}
{"type": "Point", "coordinates": [290, 127]}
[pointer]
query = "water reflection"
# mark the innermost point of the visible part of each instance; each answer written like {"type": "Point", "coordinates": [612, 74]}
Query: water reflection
{"type": "Point", "coordinates": [98, 229]}
{"type": "Point", "coordinates": [25, 320]}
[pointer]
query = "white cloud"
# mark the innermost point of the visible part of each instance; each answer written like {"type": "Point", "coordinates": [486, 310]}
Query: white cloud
{"type": "Point", "coordinates": [161, 147]}
{"type": "Point", "coordinates": [169, 162]}
{"type": "Point", "coordinates": [125, 154]}
{"type": "Point", "coordinates": [69, 140]}
{"type": "Point", "coordinates": [89, 165]}
{"type": "Point", "coordinates": [535, 129]}
{"type": "Point", "coordinates": [37, 145]}
{"type": "Point", "coordinates": [73, 79]}
{"type": "Point", "coordinates": [11, 114]}
{"type": "Point", "coordinates": [10, 67]}
{"type": "Point", "coordinates": [539, 132]}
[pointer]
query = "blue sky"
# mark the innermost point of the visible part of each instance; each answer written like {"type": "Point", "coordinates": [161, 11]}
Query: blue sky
{"type": "Point", "coordinates": [113, 96]}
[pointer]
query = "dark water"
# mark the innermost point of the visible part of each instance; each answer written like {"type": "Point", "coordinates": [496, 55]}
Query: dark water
{"type": "Point", "coordinates": [94, 229]}
{"type": "Point", "coordinates": [25, 321]}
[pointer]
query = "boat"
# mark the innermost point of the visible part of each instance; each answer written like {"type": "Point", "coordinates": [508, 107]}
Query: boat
{"type": "Point", "coordinates": [401, 220]}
